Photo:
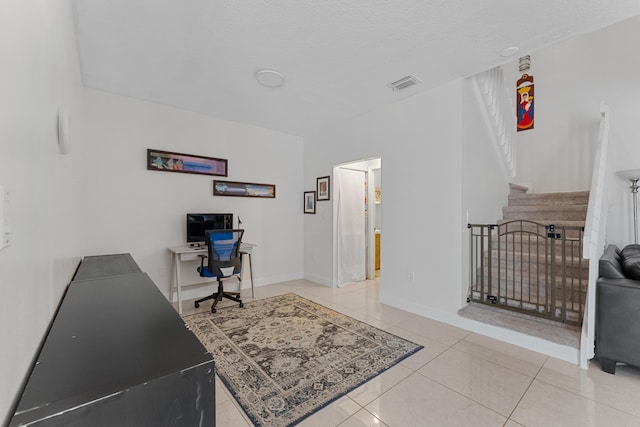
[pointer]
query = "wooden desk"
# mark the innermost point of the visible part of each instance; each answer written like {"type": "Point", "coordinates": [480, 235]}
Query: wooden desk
{"type": "Point", "coordinates": [188, 253]}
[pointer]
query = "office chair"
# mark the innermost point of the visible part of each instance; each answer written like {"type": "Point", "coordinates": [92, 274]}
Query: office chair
{"type": "Point", "coordinates": [225, 261]}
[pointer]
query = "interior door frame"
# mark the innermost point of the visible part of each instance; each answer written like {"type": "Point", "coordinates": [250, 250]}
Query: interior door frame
{"type": "Point", "coordinates": [369, 221]}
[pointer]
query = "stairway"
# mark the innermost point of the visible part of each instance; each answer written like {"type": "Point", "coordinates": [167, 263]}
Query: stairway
{"type": "Point", "coordinates": [523, 260]}
{"type": "Point", "coordinates": [548, 208]}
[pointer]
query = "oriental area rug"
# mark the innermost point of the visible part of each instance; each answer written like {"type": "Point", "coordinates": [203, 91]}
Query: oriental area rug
{"type": "Point", "coordinates": [285, 357]}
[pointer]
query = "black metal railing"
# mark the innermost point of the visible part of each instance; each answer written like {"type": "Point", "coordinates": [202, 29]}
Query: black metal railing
{"type": "Point", "coordinates": [529, 267]}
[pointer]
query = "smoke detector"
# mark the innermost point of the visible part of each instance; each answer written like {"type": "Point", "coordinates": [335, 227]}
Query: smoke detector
{"type": "Point", "coordinates": [270, 78]}
{"type": "Point", "coordinates": [403, 83]}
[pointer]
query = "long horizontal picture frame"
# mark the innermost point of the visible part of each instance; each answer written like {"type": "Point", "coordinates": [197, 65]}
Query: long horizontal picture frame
{"type": "Point", "coordinates": [168, 161]}
{"type": "Point", "coordinates": [243, 189]}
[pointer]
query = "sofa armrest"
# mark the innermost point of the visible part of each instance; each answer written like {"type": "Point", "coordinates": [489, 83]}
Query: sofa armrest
{"type": "Point", "coordinates": [610, 263]}
{"type": "Point", "coordinates": [618, 320]}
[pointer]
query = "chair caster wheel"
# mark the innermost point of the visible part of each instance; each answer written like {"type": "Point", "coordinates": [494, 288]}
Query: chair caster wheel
{"type": "Point", "coordinates": [241, 305]}
{"type": "Point", "coordinates": [196, 304]}
{"type": "Point", "coordinates": [213, 309]}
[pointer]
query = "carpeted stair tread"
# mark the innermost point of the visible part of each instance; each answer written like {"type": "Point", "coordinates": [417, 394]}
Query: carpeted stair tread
{"type": "Point", "coordinates": [553, 199]}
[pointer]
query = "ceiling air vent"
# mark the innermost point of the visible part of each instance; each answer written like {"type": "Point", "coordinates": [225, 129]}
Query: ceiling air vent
{"type": "Point", "coordinates": [403, 83]}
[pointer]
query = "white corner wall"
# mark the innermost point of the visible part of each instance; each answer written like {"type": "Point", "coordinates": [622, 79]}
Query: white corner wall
{"type": "Point", "coordinates": [39, 72]}
{"type": "Point", "coordinates": [571, 79]}
{"type": "Point", "coordinates": [484, 186]}
{"type": "Point", "coordinates": [419, 141]}
{"type": "Point", "coordinates": [127, 208]}
{"type": "Point", "coordinates": [100, 198]}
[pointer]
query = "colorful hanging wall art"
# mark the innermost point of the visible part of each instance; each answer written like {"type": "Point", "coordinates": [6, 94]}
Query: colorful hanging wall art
{"type": "Point", "coordinates": [524, 96]}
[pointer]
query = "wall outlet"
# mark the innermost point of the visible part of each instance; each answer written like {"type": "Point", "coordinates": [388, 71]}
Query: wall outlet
{"type": "Point", "coordinates": [411, 276]}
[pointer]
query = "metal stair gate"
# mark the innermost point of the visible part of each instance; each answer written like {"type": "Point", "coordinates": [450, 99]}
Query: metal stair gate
{"type": "Point", "coordinates": [530, 268]}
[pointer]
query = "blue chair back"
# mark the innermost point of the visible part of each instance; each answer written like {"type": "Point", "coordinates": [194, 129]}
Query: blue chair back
{"type": "Point", "coordinates": [223, 247]}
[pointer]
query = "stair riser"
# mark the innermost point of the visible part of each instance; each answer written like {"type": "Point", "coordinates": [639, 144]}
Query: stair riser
{"type": "Point", "coordinates": [534, 272]}
{"type": "Point", "coordinates": [541, 303]}
{"type": "Point", "coordinates": [505, 227]}
{"type": "Point", "coordinates": [536, 247]}
{"type": "Point", "coordinates": [532, 281]}
{"type": "Point", "coordinates": [573, 312]}
{"type": "Point", "coordinates": [534, 263]}
{"type": "Point", "coordinates": [543, 216]}
{"type": "Point", "coordinates": [532, 295]}
{"type": "Point", "coordinates": [543, 200]}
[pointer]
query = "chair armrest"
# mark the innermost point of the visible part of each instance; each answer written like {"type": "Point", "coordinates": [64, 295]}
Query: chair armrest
{"type": "Point", "coordinates": [202, 258]}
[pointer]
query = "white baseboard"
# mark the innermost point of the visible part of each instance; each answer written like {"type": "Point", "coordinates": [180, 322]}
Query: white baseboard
{"type": "Point", "coordinates": [536, 344]}
{"type": "Point", "coordinates": [321, 280]}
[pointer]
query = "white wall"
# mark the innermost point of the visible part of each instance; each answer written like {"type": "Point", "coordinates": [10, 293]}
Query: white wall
{"type": "Point", "coordinates": [100, 198]}
{"type": "Point", "coordinates": [39, 71]}
{"type": "Point", "coordinates": [571, 79]}
{"type": "Point", "coordinates": [127, 208]}
{"type": "Point", "coordinates": [419, 141]}
{"type": "Point", "coordinates": [484, 186]}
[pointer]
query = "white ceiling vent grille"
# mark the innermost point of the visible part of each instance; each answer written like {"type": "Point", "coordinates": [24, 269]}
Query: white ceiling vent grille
{"type": "Point", "coordinates": [403, 83]}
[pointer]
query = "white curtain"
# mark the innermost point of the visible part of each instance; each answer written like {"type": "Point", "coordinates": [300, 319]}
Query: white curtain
{"type": "Point", "coordinates": [350, 226]}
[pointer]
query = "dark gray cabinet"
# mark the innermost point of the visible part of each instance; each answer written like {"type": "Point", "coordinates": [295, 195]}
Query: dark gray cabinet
{"type": "Point", "coordinates": [117, 353]}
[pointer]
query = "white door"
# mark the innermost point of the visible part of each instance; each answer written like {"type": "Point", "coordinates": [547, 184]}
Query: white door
{"type": "Point", "coordinates": [351, 236]}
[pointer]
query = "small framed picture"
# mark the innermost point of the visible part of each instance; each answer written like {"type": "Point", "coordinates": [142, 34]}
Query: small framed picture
{"type": "Point", "coordinates": [323, 188]}
{"type": "Point", "coordinates": [309, 202]}
{"type": "Point", "coordinates": [243, 189]}
{"type": "Point", "coordinates": [168, 161]}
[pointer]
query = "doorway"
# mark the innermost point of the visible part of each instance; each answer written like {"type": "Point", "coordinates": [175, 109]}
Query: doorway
{"type": "Point", "coordinates": [357, 216]}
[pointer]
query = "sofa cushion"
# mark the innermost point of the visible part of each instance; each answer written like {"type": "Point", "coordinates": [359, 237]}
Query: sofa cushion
{"type": "Point", "coordinates": [610, 263]}
{"type": "Point", "coordinates": [629, 251]}
{"type": "Point", "coordinates": [631, 266]}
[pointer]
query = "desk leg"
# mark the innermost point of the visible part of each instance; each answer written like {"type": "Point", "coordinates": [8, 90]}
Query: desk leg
{"type": "Point", "coordinates": [176, 261]}
{"type": "Point", "coordinates": [253, 295]}
{"type": "Point", "coordinates": [244, 272]}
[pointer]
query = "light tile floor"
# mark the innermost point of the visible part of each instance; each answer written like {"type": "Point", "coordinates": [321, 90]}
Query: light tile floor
{"type": "Point", "coordinates": [459, 379]}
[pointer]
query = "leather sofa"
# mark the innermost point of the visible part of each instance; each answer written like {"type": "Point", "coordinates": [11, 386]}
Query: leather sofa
{"type": "Point", "coordinates": [618, 307]}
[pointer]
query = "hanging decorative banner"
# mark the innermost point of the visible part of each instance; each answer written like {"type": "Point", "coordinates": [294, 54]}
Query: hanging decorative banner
{"type": "Point", "coordinates": [524, 96]}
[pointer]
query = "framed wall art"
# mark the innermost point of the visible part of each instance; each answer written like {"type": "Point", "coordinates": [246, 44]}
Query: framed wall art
{"type": "Point", "coordinates": [525, 102]}
{"type": "Point", "coordinates": [323, 188]}
{"type": "Point", "coordinates": [168, 161]}
{"type": "Point", "coordinates": [243, 189]}
{"type": "Point", "coordinates": [309, 202]}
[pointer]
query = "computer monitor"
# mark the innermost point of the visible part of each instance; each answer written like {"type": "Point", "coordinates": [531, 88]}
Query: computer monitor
{"type": "Point", "coordinates": [198, 223]}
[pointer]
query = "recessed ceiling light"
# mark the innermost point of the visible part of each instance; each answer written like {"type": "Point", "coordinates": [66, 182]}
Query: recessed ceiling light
{"type": "Point", "coordinates": [270, 78]}
{"type": "Point", "coordinates": [510, 51]}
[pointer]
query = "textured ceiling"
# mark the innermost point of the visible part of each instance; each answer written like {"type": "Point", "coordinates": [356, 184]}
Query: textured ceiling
{"type": "Point", "coordinates": [337, 56]}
